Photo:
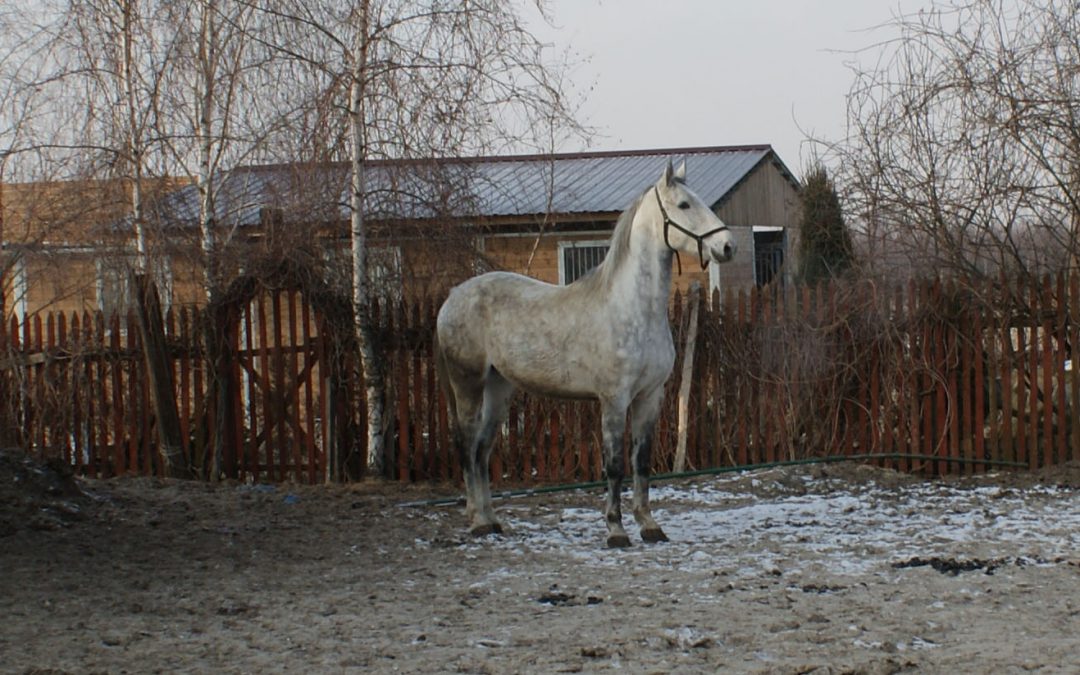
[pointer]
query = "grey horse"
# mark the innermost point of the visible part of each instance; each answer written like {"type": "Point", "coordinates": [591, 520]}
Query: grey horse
{"type": "Point", "coordinates": [605, 337]}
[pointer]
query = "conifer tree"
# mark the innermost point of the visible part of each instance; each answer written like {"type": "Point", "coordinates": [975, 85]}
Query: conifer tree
{"type": "Point", "coordinates": [825, 248]}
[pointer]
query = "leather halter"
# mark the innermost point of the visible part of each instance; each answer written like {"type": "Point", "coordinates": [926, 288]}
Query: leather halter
{"type": "Point", "coordinates": [699, 238]}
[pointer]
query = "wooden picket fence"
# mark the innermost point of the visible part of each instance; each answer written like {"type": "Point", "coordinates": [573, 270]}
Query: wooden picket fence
{"type": "Point", "coordinates": [933, 377]}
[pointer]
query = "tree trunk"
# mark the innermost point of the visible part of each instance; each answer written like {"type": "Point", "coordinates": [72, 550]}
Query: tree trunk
{"type": "Point", "coordinates": [362, 323]}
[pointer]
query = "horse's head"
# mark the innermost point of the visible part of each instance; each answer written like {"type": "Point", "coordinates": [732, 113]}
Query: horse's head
{"type": "Point", "coordinates": [689, 224]}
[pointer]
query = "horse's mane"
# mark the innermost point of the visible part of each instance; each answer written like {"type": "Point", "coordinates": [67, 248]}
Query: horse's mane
{"type": "Point", "coordinates": [618, 248]}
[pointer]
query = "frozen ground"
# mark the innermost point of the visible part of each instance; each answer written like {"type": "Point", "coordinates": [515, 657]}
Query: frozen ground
{"type": "Point", "coordinates": [793, 570]}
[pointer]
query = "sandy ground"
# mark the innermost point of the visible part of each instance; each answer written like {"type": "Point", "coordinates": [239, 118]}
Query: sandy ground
{"type": "Point", "coordinates": [838, 569]}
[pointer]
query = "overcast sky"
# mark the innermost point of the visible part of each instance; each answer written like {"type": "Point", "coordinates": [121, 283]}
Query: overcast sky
{"type": "Point", "coordinates": [716, 72]}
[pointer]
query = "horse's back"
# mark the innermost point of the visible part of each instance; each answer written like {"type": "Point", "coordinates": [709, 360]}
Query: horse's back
{"type": "Point", "coordinates": [496, 314]}
{"type": "Point", "coordinates": [475, 299]}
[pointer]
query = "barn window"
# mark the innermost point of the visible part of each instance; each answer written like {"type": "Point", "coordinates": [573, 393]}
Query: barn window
{"type": "Point", "coordinates": [576, 258]}
{"type": "Point", "coordinates": [384, 269]}
{"type": "Point", "coordinates": [114, 292]}
{"type": "Point", "coordinates": [20, 289]}
{"type": "Point", "coordinates": [769, 245]}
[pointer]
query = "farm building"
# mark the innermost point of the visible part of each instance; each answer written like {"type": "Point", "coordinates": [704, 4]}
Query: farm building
{"type": "Point", "coordinates": [431, 223]}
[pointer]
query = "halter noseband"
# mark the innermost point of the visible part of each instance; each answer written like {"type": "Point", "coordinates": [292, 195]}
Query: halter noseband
{"type": "Point", "coordinates": [699, 238]}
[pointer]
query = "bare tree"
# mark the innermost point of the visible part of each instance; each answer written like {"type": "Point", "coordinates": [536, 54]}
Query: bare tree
{"type": "Point", "coordinates": [115, 52]}
{"type": "Point", "coordinates": [963, 140]}
{"type": "Point", "coordinates": [415, 79]}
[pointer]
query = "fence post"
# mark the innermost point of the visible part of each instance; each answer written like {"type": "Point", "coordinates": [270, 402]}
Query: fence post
{"type": "Point", "coordinates": [694, 298]}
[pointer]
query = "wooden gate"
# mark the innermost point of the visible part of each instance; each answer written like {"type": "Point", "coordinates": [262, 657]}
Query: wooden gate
{"type": "Point", "coordinates": [281, 386]}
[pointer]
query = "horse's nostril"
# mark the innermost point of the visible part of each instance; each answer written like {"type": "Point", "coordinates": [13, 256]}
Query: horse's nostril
{"type": "Point", "coordinates": [729, 251]}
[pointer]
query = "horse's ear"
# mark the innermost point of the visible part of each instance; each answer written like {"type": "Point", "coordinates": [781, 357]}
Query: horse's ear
{"type": "Point", "coordinates": [680, 173]}
{"type": "Point", "coordinates": [669, 175]}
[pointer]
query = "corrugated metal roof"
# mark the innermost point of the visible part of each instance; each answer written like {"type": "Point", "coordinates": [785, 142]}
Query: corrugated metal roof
{"type": "Point", "coordinates": [563, 184]}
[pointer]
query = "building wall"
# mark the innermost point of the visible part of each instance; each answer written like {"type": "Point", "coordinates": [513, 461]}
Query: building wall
{"type": "Point", "coordinates": [766, 198]}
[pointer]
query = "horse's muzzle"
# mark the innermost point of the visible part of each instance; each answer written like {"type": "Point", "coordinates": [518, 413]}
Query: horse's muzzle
{"type": "Point", "coordinates": [722, 252]}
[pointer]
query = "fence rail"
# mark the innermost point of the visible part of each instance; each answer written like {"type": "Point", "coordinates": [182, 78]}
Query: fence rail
{"type": "Point", "coordinates": [932, 377]}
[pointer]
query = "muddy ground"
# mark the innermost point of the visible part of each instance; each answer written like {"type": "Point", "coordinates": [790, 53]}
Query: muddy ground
{"type": "Point", "coordinates": [832, 569]}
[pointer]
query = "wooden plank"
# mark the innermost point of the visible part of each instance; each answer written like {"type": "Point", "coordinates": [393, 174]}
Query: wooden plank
{"type": "Point", "coordinates": [256, 460]}
{"type": "Point", "coordinates": [203, 419]}
{"type": "Point", "coordinates": [274, 469]}
{"type": "Point", "coordinates": [1046, 349]}
{"type": "Point", "coordinates": [862, 407]}
{"type": "Point", "coordinates": [421, 459]}
{"type": "Point", "coordinates": [1033, 389]}
{"type": "Point", "coordinates": [553, 447]}
{"type": "Point", "coordinates": [431, 397]}
{"type": "Point", "coordinates": [225, 396]}
{"type": "Point", "coordinates": [995, 390]}
{"type": "Point", "coordinates": [754, 411]}
{"type": "Point", "coordinates": [290, 392]}
{"type": "Point", "coordinates": [539, 416]}
{"type": "Point", "coordinates": [133, 412]}
{"type": "Point", "coordinates": [62, 432]}
{"type": "Point", "coordinates": [966, 387]}
{"type": "Point", "coordinates": [93, 395]}
{"type": "Point", "coordinates": [979, 394]}
{"type": "Point", "coordinates": [183, 363]}
{"type": "Point", "coordinates": [104, 455]}
{"type": "Point", "coordinates": [574, 452]}
{"type": "Point", "coordinates": [116, 396]}
{"type": "Point", "coordinates": [450, 467]}
{"type": "Point", "coordinates": [1020, 393]}
{"type": "Point", "coordinates": [40, 383]}
{"type": "Point", "coordinates": [911, 378]}
{"type": "Point", "coordinates": [744, 404]}
{"type": "Point", "coordinates": [74, 344]}
{"type": "Point", "coordinates": [935, 431]}
{"type": "Point", "coordinates": [312, 367]}
{"type": "Point", "coordinates": [330, 465]}
{"type": "Point", "coordinates": [1073, 315]}
{"type": "Point", "coordinates": [29, 382]}
{"type": "Point", "coordinates": [401, 390]}
{"type": "Point", "coordinates": [1059, 343]}
{"type": "Point", "coordinates": [686, 376]}
{"type": "Point", "coordinates": [280, 414]}
{"type": "Point", "coordinates": [871, 435]}
{"type": "Point", "coordinates": [520, 456]}
{"type": "Point", "coordinates": [918, 361]}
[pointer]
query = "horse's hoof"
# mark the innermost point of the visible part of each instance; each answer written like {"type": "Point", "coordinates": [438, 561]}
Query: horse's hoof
{"type": "Point", "coordinates": [485, 529]}
{"type": "Point", "coordinates": [653, 535]}
{"type": "Point", "coordinates": [618, 541]}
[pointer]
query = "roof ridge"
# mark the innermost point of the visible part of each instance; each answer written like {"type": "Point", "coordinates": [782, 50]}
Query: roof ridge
{"type": "Point", "coordinates": [533, 157]}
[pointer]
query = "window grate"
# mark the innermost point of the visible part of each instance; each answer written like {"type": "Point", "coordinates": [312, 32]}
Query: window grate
{"type": "Point", "coordinates": [578, 259]}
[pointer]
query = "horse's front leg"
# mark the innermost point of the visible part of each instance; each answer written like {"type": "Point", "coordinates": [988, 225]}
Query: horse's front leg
{"type": "Point", "coordinates": [643, 414]}
{"type": "Point", "coordinates": [614, 424]}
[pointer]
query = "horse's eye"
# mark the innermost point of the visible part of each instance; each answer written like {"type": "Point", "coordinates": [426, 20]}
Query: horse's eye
{"type": "Point", "coordinates": [684, 205]}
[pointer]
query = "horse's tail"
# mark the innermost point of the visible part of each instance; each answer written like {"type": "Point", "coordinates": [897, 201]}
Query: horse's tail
{"type": "Point", "coordinates": [444, 379]}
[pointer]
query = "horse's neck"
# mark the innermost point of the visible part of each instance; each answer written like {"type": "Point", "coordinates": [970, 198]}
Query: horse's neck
{"type": "Point", "coordinates": [643, 280]}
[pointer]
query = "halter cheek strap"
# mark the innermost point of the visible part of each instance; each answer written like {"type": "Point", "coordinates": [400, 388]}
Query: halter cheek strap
{"type": "Point", "coordinates": [699, 238]}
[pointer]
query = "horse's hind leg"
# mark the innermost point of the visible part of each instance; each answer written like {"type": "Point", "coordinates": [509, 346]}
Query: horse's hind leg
{"type": "Point", "coordinates": [613, 421]}
{"type": "Point", "coordinates": [643, 412]}
{"type": "Point", "coordinates": [496, 401]}
{"type": "Point", "coordinates": [467, 403]}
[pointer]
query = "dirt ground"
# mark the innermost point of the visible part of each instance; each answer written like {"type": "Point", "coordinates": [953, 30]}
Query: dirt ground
{"type": "Point", "coordinates": [828, 569]}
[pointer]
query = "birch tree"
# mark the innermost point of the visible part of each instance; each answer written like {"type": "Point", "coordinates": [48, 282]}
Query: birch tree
{"type": "Point", "coordinates": [414, 79]}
